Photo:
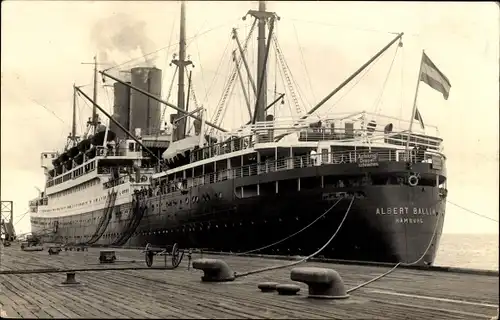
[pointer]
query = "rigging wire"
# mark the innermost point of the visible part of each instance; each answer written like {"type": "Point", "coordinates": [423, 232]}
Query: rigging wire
{"type": "Point", "coordinates": [402, 86]}
{"type": "Point", "coordinates": [229, 85]}
{"type": "Point", "coordinates": [366, 71]}
{"type": "Point", "coordinates": [197, 32]}
{"type": "Point", "coordinates": [217, 70]}
{"type": "Point", "coordinates": [225, 88]}
{"type": "Point", "coordinates": [110, 103]}
{"type": "Point", "coordinates": [348, 27]}
{"type": "Point", "coordinates": [201, 67]}
{"type": "Point", "coordinates": [377, 105]}
{"type": "Point", "coordinates": [48, 110]}
{"type": "Point", "coordinates": [304, 62]}
{"type": "Point", "coordinates": [287, 70]}
{"type": "Point", "coordinates": [285, 87]}
{"type": "Point", "coordinates": [275, 72]}
{"type": "Point", "coordinates": [35, 101]}
{"type": "Point", "coordinates": [162, 118]}
{"type": "Point", "coordinates": [473, 212]}
{"type": "Point", "coordinates": [239, 275]}
{"type": "Point", "coordinates": [24, 214]}
{"type": "Point", "coordinates": [168, 47]}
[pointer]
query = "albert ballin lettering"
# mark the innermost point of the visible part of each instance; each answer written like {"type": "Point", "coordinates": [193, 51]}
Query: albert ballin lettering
{"type": "Point", "coordinates": [406, 210]}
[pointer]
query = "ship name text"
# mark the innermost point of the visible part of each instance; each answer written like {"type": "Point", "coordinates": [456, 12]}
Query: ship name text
{"type": "Point", "coordinates": [405, 210]}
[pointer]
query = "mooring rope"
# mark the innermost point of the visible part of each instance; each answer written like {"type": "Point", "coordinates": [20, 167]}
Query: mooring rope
{"type": "Point", "coordinates": [473, 212]}
{"type": "Point", "coordinates": [400, 263]}
{"type": "Point", "coordinates": [239, 275]}
{"type": "Point", "coordinates": [293, 234]}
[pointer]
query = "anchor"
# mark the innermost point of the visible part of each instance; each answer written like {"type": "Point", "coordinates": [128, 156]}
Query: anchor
{"type": "Point", "coordinates": [150, 252]}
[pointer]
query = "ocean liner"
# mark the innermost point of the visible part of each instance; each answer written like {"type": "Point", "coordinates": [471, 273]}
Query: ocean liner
{"type": "Point", "coordinates": [375, 178]}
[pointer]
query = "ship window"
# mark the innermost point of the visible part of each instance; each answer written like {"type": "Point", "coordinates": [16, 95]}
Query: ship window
{"type": "Point", "coordinates": [131, 146]}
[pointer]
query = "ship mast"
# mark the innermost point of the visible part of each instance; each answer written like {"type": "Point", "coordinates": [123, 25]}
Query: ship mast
{"type": "Point", "coordinates": [73, 127]}
{"type": "Point", "coordinates": [261, 64]}
{"type": "Point", "coordinates": [94, 121]}
{"type": "Point", "coordinates": [180, 130]}
{"type": "Point", "coordinates": [263, 17]}
{"type": "Point", "coordinates": [94, 97]}
{"type": "Point", "coordinates": [72, 138]}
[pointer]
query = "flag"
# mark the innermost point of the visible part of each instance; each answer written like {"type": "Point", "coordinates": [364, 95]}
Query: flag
{"type": "Point", "coordinates": [431, 75]}
{"type": "Point", "coordinates": [418, 117]}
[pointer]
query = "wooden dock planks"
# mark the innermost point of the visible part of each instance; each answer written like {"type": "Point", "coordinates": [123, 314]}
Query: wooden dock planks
{"type": "Point", "coordinates": [179, 293]}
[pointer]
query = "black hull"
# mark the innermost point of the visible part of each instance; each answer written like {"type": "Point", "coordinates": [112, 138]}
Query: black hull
{"type": "Point", "coordinates": [364, 235]}
{"type": "Point", "coordinates": [386, 223]}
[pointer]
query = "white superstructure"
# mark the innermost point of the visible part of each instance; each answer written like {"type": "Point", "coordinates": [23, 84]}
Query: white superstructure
{"type": "Point", "coordinates": [85, 188]}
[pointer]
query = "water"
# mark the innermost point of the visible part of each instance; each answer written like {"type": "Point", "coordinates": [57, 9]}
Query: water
{"type": "Point", "coordinates": [477, 251]}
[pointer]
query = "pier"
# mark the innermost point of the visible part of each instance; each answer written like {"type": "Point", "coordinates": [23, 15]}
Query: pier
{"type": "Point", "coordinates": [128, 289]}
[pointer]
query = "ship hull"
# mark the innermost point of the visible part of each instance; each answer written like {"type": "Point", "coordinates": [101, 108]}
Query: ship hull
{"type": "Point", "coordinates": [392, 224]}
{"type": "Point", "coordinates": [385, 223]}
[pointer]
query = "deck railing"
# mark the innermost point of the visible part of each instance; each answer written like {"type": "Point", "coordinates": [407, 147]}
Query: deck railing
{"type": "Point", "coordinates": [362, 158]}
{"type": "Point", "coordinates": [316, 135]}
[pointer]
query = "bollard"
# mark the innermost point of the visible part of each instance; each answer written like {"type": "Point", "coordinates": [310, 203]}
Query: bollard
{"type": "Point", "coordinates": [70, 278]}
{"type": "Point", "coordinates": [215, 270]}
{"type": "Point", "coordinates": [323, 283]}
{"type": "Point", "coordinates": [267, 286]}
{"type": "Point", "coordinates": [287, 289]}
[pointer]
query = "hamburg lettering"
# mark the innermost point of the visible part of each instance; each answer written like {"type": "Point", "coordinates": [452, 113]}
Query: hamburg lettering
{"type": "Point", "coordinates": [406, 210]}
{"type": "Point", "coordinates": [409, 220]}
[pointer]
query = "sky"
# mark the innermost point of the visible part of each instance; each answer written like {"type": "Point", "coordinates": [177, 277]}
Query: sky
{"type": "Point", "coordinates": [44, 44]}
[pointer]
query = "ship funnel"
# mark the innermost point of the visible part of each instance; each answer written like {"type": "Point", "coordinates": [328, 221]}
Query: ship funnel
{"type": "Point", "coordinates": [145, 113]}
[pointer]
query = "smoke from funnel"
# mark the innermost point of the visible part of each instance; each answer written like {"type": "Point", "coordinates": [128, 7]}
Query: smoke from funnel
{"type": "Point", "coordinates": [123, 34]}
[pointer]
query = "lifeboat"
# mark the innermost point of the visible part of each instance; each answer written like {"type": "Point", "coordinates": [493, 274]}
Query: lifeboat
{"type": "Point", "coordinates": [56, 162]}
{"type": "Point", "coordinates": [59, 169]}
{"type": "Point", "coordinates": [68, 164]}
{"type": "Point", "coordinates": [79, 158]}
{"type": "Point", "coordinates": [63, 157]}
{"type": "Point", "coordinates": [98, 138]}
{"type": "Point", "coordinates": [73, 152]}
{"type": "Point", "coordinates": [91, 153]}
{"type": "Point", "coordinates": [84, 145]}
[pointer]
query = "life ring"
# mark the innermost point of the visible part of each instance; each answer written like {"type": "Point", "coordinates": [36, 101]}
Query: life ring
{"type": "Point", "coordinates": [413, 180]}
